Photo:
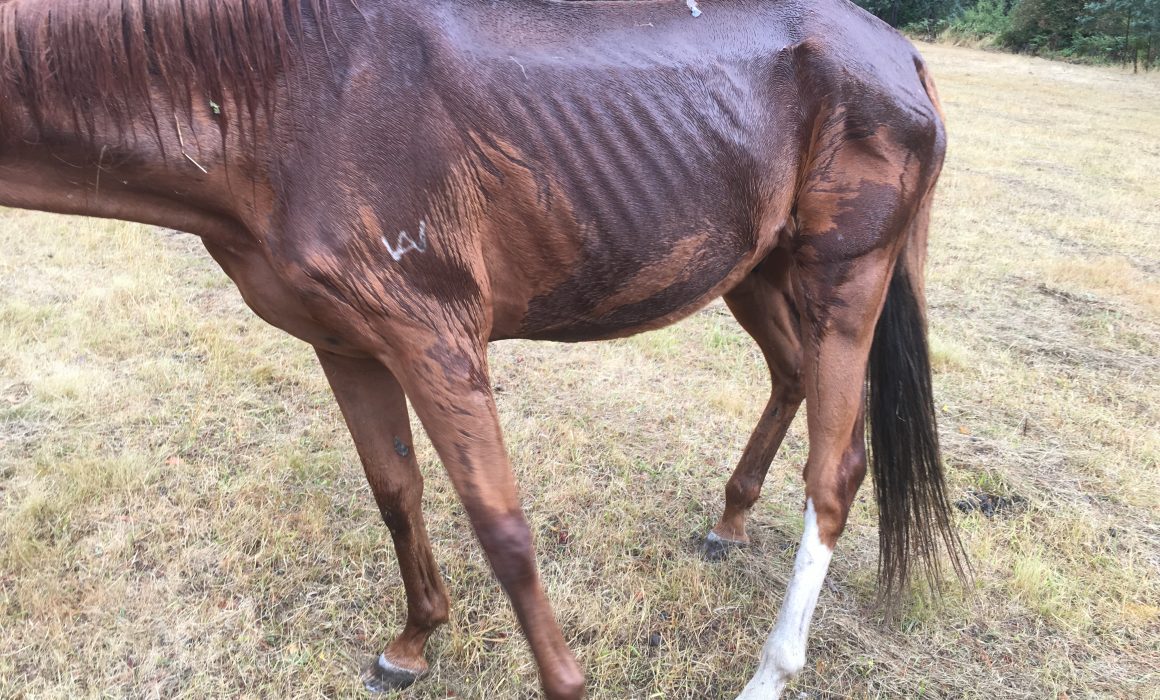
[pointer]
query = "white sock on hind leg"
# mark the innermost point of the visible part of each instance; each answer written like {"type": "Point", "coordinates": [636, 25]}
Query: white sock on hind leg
{"type": "Point", "coordinates": [784, 653]}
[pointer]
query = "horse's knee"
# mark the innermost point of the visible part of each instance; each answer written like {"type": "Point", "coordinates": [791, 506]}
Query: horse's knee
{"type": "Point", "coordinates": [397, 506]}
{"type": "Point", "coordinates": [786, 375]}
{"type": "Point", "coordinates": [507, 541]}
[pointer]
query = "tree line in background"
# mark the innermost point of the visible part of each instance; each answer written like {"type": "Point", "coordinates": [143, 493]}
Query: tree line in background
{"type": "Point", "coordinates": [1117, 31]}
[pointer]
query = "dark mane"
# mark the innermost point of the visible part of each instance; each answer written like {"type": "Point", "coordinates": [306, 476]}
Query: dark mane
{"type": "Point", "coordinates": [114, 59]}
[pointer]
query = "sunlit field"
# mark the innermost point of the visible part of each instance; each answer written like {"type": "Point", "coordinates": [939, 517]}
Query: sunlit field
{"type": "Point", "coordinates": [182, 514]}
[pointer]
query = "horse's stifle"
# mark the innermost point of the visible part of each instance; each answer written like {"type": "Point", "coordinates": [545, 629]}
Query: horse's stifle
{"type": "Point", "coordinates": [398, 183]}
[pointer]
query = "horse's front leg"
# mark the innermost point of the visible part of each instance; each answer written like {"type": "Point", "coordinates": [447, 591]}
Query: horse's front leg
{"type": "Point", "coordinates": [446, 377]}
{"type": "Point", "coordinates": [376, 413]}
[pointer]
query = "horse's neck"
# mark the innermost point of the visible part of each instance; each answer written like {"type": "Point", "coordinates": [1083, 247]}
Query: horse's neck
{"type": "Point", "coordinates": [175, 173]}
{"type": "Point", "coordinates": [123, 115]}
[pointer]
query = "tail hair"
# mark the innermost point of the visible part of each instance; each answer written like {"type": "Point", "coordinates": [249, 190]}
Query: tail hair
{"type": "Point", "coordinates": [914, 515]}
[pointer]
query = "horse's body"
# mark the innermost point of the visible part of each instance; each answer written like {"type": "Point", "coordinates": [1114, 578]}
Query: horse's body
{"type": "Point", "coordinates": [398, 183]}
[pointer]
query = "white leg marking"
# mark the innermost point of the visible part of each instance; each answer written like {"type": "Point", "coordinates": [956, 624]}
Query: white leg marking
{"type": "Point", "coordinates": [407, 244]}
{"type": "Point", "coordinates": [785, 650]}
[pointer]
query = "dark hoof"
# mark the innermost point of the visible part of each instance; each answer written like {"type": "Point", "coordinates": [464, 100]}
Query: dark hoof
{"type": "Point", "coordinates": [384, 676]}
{"type": "Point", "coordinates": [718, 548]}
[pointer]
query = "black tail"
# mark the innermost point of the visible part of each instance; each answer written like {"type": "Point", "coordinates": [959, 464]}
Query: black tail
{"type": "Point", "coordinates": [913, 511]}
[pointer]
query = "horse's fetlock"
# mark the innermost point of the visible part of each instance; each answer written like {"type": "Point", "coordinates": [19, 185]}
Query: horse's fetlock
{"type": "Point", "coordinates": [742, 492]}
{"type": "Point", "coordinates": [788, 659]}
{"type": "Point", "coordinates": [436, 610]}
{"type": "Point", "coordinates": [568, 685]}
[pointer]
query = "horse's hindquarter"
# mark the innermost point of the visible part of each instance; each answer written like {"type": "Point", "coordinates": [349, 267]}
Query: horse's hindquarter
{"type": "Point", "coordinates": [622, 168]}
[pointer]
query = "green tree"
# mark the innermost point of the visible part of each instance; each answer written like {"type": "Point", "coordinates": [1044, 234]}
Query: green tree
{"type": "Point", "coordinates": [1110, 30]}
{"type": "Point", "coordinates": [909, 13]}
{"type": "Point", "coordinates": [987, 18]}
{"type": "Point", "coordinates": [1133, 26]}
{"type": "Point", "coordinates": [1038, 25]}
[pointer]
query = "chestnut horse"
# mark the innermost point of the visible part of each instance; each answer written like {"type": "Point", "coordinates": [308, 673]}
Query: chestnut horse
{"type": "Point", "coordinates": [398, 183]}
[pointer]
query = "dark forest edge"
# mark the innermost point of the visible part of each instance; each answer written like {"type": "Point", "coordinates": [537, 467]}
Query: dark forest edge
{"type": "Point", "coordinates": [1126, 32]}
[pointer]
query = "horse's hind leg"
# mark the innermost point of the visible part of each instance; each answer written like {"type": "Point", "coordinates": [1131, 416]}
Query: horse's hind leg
{"type": "Point", "coordinates": [834, 366]}
{"type": "Point", "coordinates": [763, 305]}
{"type": "Point", "coordinates": [376, 413]}
{"type": "Point", "coordinates": [853, 219]}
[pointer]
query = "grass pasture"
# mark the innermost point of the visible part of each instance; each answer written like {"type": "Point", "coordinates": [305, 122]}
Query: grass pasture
{"type": "Point", "coordinates": [182, 514]}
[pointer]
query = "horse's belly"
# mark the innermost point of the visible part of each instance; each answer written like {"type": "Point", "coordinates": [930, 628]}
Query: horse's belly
{"type": "Point", "coordinates": [657, 282]}
{"type": "Point", "coordinates": [601, 254]}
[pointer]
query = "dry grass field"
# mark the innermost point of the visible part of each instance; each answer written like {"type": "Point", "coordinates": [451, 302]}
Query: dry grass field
{"type": "Point", "coordinates": [182, 514]}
